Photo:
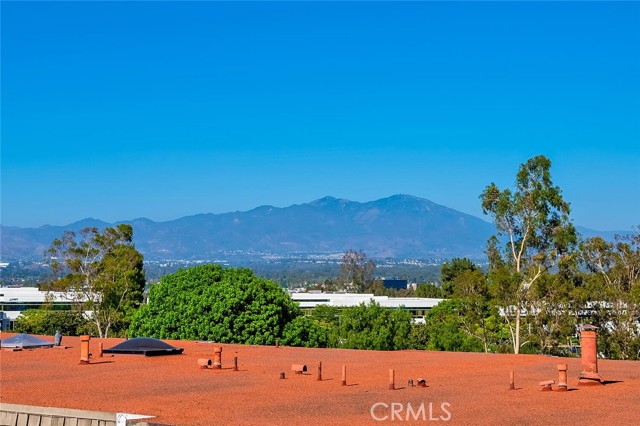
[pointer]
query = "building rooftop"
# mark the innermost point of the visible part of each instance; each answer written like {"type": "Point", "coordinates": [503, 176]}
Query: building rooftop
{"type": "Point", "coordinates": [308, 300]}
{"type": "Point", "coordinates": [178, 391]}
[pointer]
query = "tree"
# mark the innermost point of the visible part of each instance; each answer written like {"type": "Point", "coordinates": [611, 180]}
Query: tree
{"type": "Point", "coordinates": [103, 273]}
{"type": "Point", "coordinates": [48, 321]}
{"type": "Point", "coordinates": [356, 272]}
{"type": "Point", "coordinates": [444, 329]}
{"type": "Point", "coordinates": [616, 291]}
{"type": "Point", "coordinates": [429, 290]}
{"type": "Point", "coordinates": [419, 336]}
{"type": "Point", "coordinates": [470, 288]}
{"type": "Point", "coordinates": [373, 327]}
{"type": "Point", "coordinates": [535, 219]}
{"type": "Point", "coordinates": [208, 302]}
{"type": "Point", "coordinates": [553, 308]}
{"type": "Point", "coordinates": [449, 272]}
{"type": "Point", "coordinates": [307, 332]}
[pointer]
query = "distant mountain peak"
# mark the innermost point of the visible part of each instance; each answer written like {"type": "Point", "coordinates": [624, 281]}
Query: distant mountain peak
{"type": "Point", "coordinates": [329, 201]}
{"type": "Point", "coordinates": [89, 223]}
{"type": "Point", "coordinates": [397, 226]}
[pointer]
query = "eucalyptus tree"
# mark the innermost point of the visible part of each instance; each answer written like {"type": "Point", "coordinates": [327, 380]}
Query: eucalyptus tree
{"type": "Point", "coordinates": [534, 220]}
{"type": "Point", "coordinates": [102, 272]}
{"type": "Point", "coordinates": [356, 272]}
{"type": "Point", "coordinates": [616, 291]}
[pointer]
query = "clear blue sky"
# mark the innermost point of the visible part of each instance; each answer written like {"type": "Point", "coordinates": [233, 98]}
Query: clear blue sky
{"type": "Point", "coordinates": [121, 110]}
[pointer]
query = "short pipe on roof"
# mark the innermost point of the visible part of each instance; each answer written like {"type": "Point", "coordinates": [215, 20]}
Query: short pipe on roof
{"type": "Point", "coordinates": [217, 357]}
{"type": "Point", "coordinates": [84, 349]}
{"type": "Point", "coordinates": [546, 385]}
{"type": "Point", "coordinates": [299, 368]}
{"type": "Point", "coordinates": [204, 362]}
{"type": "Point", "coordinates": [562, 377]}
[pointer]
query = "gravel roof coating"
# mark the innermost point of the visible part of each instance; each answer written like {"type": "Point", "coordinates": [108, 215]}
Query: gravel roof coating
{"type": "Point", "coordinates": [178, 391]}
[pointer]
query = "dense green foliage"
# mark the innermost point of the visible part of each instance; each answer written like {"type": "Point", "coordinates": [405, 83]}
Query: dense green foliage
{"type": "Point", "coordinates": [104, 271]}
{"type": "Point", "coordinates": [47, 321]}
{"type": "Point", "coordinates": [373, 327]}
{"type": "Point", "coordinates": [605, 275]}
{"type": "Point", "coordinates": [228, 305]}
{"type": "Point", "coordinates": [366, 326]}
{"type": "Point", "coordinates": [468, 320]}
{"type": "Point", "coordinates": [212, 303]}
{"type": "Point", "coordinates": [450, 270]}
{"type": "Point", "coordinates": [429, 290]}
{"type": "Point", "coordinates": [599, 286]}
{"type": "Point", "coordinates": [444, 329]}
{"type": "Point", "coordinates": [307, 332]}
{"type": "Point", "coordinates": [614, 290]}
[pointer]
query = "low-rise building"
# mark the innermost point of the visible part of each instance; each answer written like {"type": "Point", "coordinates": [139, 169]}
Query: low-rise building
{"type": "Point", "coordinates": [418, 306]}
{"type": "Point", "coordinates": [394, 283]}
{"type": "Point", "coordinates": [15, 300]}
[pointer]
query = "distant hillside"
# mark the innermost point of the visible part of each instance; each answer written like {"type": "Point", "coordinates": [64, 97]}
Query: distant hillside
{"type": "Point", "coordinates": [401, 226]}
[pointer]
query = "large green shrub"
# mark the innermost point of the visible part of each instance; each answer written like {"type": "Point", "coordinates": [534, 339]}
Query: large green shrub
{"type": "Point", "coordinates": [373, 327]}
{"type": "Point", "coordinates": [47, 321]}
{"type": "Point", "coordinates": [307, 332]}
{"type": "Point", "coordinates": [444, 329]}
{"type": "Point", "coordinates": [212, 303]}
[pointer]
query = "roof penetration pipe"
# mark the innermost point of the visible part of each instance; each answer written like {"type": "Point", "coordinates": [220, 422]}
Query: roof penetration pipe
{"type": "Point", "coordinates": [589, 349]}
{"type": "Point", "coordinates": [217, 357]}
{"type": "Point", "coordinates": [84, 349]}
{"type": "Point", "coordinates": [344, 376]}
{"type": "Point", "coordinates": [299, 368]}
{"type": "Point", "coordinates": [562, 377]}
{"type": "Point", "coordinates": [204, 363]}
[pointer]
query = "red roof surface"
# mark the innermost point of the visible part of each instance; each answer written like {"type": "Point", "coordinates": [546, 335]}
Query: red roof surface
{"type": "Point", "coordinates": [176, 390]}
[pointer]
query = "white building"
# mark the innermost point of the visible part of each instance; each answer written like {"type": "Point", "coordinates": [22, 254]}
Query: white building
{"type": "Point", "coordinates": [15, 300]}
{"type": "Point", "coordinates": [418, 306]}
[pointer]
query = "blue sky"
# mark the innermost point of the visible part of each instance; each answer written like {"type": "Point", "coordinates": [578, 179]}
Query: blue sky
{"type": "Point", "coordinates": [121, 110]}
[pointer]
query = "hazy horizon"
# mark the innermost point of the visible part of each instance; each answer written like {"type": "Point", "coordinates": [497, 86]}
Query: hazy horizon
{"type": "Point", "coordinates": [124, 110]}
{"type": "Point", "coordinates": [124, 220]}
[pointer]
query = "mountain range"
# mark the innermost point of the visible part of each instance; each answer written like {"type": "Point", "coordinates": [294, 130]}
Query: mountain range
{"type": "Point", "coordinates": [400, 226]}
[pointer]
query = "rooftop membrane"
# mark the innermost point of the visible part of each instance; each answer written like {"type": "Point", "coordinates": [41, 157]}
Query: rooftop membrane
{"type": "Point", "coordinates": [462, 388]}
